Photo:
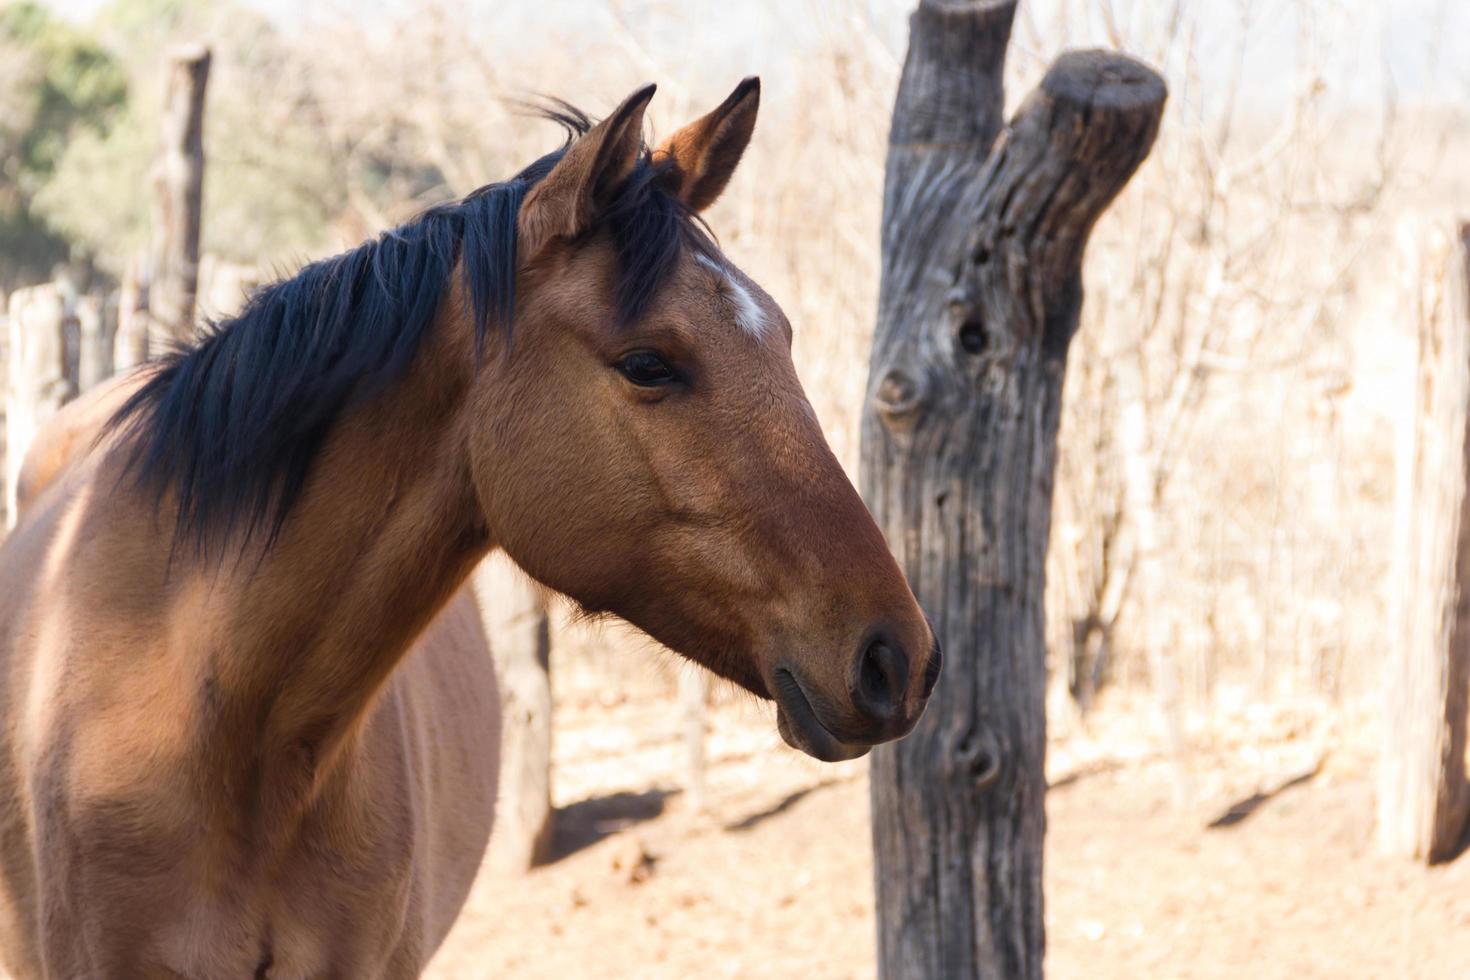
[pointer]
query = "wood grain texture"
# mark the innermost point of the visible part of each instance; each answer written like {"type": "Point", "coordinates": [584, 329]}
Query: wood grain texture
{"type": "Point", "coordinates": [1423, 793]}
{"type": "Point", "coordinates": [178, 189]}
{"type": "Point", "coordinates": [983, 236]}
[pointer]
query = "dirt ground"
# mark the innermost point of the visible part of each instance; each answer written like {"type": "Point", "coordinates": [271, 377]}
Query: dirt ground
{"type": "Point", "coordinates": [1259, 863]}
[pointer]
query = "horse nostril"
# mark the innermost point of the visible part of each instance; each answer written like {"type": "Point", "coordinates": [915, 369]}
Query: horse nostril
{"type": "Point", "coordinates": [931, 669]}
{"type": "Point", "coordinates": [882, 679]}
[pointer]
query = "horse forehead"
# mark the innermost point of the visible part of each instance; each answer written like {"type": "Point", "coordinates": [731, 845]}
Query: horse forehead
{"type": "Point", "coordinates": [742, 302]}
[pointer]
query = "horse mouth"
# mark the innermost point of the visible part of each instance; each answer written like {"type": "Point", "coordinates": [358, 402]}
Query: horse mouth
{"type": "Point", "coordinates": [800, 727]}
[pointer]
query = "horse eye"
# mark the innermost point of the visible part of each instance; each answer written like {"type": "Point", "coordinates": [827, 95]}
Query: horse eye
{"type": "Point", "coordinates": [645, 368]}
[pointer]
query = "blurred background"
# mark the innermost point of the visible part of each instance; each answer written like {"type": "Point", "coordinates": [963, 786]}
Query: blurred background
{"type": "Point", "coordinates": [1220, 582]}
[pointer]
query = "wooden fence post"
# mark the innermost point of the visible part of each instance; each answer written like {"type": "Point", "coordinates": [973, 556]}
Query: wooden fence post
{"type": "Point", "coordinates": [37, 384]}
{"type": "Point", "coordinates": [1423, 794]}
{"type": "Point", "coordinates": [178, 184]}
{"type": "Point", "coordinates": [95, 320]}
{"type": "Point", "coordinates": [5, 509]}
{"type": "Point", "coordinates": [693, 703]}
{"type": "Point", "coordinates": [130, 341]}
{"type": "Point", "coordinates": [520, 641]}
{"type": "Point", "coordinates": [982, 244]}
{"type": "Point", "coordinates": [225, 287]}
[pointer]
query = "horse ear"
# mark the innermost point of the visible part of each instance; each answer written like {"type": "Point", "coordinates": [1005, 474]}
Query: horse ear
{"type": "Point", "coordinates": [565, 202]}
{"type": "Point", "coordinates": [703, 154]}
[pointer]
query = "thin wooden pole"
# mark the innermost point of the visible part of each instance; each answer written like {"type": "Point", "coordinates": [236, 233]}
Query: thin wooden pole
{"type": "Point", "coordinates": [178, 189]}
{"type": "Point", "coordinates": [693, 702]}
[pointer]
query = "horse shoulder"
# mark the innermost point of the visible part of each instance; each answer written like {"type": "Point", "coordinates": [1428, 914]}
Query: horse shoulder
{"type": "Point", "coordinates": [83, 734]}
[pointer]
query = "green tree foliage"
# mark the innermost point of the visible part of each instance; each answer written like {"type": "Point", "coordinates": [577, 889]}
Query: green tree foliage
{"type": "Point", "coordinates": [271, 190]}
{"type": "Point", "coordinates": [57, 84]}
{"type": "Point", "coordinates": [314, 138]}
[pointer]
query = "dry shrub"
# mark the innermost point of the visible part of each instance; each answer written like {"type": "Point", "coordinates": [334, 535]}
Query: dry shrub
{"type": "Point", "coordinates": [1224, 507]}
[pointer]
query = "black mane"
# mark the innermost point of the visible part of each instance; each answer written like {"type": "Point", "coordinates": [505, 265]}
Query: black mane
{"type": "Point", "coordinates": [231, 423]}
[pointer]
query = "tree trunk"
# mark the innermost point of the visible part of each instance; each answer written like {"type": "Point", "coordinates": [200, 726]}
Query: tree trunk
{"type": "Point", "coordinates": [1423, 795]}
{"type": "Point", "coordinates": [520, 641]}
{"type": "Point", "coordinates": [38, 383]}
{"type": "Point", "coordinates": [981, 290]}
{"type": "Point", "coordinates": [178, 184]}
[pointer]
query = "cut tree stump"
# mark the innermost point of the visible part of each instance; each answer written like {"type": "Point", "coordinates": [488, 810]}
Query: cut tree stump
{"type": "Point", "coordinates": [1423, 794]}
{"type": "Point", "coordinates": [982, 243]}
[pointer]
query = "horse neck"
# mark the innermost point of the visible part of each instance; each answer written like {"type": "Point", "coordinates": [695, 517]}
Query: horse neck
{"type": "Point", "coordinates": [305, 635]}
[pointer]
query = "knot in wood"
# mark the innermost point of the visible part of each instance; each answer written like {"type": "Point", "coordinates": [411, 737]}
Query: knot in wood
{"type": "Point", "coordinates": [899, 397]}
{"type": "Point", "coordinates": [970, 332]}
{"type": "Point", "coordinates": [976, 754]}
{"type": "Point", "coordinates": [972, 337]}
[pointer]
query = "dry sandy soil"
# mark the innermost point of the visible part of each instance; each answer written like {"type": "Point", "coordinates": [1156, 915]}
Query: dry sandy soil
{"type": "Point", "coordinates": [772, 877]}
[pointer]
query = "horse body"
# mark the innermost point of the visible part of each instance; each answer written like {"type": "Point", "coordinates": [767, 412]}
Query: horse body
{"type": "Point", "coordinates": [250, 720]}
{"type": "Point", "coordinates": [139, 830]}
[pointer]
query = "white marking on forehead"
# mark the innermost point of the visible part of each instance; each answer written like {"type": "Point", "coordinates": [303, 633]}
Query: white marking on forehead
{"type": "Point", "coordinates": [748, 313]}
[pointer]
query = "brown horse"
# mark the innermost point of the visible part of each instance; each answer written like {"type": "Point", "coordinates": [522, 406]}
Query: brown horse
{"type": "Point", "coordinates": [250, 722]}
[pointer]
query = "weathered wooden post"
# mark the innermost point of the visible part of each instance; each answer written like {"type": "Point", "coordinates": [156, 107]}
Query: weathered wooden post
{"type": "Point", "coordinates": [694, 707]}
{"type": "Point", "coordinates": [225, 287]}
{"type": "Point", "coordinates": [71, 332]}
{"type": "Point", "coordinates": [983, 235]}
{"type": "Point", "coordinates": [130, 342]}
{"type": "Point", "coordinates": [5, 510]}
{"type": "Point", "coordinates": [37, 382]}
{"type": "Point", "coordinates": [95, 318]}
{"type": "Point", "coordinates": [178, 185]}
{"type": "Point", "coordinates": [1423, 793]}
{"type": "Point", "coordinates": [520, 641]}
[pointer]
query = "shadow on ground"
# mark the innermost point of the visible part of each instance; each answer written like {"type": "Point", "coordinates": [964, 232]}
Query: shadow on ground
{"type": "Point", "coordinates": [1242, 810]}
{"type": "Point", "coordinates": [588, 821]}
{"type": "Point", "coordinates": [753, 820]}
